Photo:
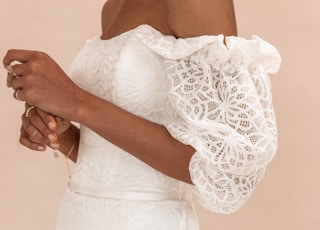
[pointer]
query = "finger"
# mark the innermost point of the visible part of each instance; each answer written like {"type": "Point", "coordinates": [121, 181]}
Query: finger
{"type": "Point", "coordinates": [48, 119]}
{"type": "Point", "coordinates": [33, 122]}
{"type": "Point", "coordinates": [52, 125]}
{"type": "Point", "coordinates": [24, 140]}
{"type": "Point", "coordinates": [15, 69]}
{"type": "Point", "coordinates": [35, 136]}
{"type": "Point", "coordinates": [17, 95]}
{"type": "Point", "coordinates": [18, 55]}
{"type": "Point", "coordinates": [33, 133]}
{"type": "Point", "coordinates": [17, 83]}
{"type": "Point", "coordinates": [12, 74]}
{"type": "Point", "coordinates": [39, 120]}
{"type": "Point", "coordinates": [10, 77]}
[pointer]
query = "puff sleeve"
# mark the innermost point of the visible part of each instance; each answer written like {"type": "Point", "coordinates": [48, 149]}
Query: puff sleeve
{"type": "Point", "coordinates": [222, 94]}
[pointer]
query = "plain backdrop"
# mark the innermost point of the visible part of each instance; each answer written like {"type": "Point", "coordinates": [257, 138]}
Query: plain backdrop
{"type": "Point", "coordinates": [32, 184]}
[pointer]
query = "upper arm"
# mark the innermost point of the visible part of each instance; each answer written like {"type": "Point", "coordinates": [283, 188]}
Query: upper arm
{"type": "Point", "coordinates": [190, 18]}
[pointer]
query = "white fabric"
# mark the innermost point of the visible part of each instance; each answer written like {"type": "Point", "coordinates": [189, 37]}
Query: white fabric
{"type": "Point", "coordinates": [212, 96]}
{"type": "Point", "coordinates": [124, 195]}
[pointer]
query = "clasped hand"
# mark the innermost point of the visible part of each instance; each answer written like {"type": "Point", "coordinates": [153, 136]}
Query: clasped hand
{"type": "Point", "coordinates": [40, 82]}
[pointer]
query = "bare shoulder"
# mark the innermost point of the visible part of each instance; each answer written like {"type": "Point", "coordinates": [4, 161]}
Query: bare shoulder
{"type": "Point", "coordinates": [190, 18]}
{"type": "Point", "coordinates": [109, 11]}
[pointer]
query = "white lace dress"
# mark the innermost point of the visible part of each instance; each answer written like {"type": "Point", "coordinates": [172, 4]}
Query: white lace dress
{"type": "Point", "coordinates": [209, 95]}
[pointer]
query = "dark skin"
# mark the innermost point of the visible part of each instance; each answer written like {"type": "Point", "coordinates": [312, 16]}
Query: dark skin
{"type": "Point", "coordinates": [149, 142]}
{"type": "Point", "coordinates": [180, 18]}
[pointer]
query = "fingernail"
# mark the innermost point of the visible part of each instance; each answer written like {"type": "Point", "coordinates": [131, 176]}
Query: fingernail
{"type": "Point", "coordinates": [54, 146]}
{"type": "Point", "coordinates": [51, 138]}
{"type": "Point", "coordinates": [51, 125]}
{"type": "Point", "coordinates": [41, 148]}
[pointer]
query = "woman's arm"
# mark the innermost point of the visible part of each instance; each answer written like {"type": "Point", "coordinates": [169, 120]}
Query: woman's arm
{"type": "Point", "coordinates": [145, 140]}
{"type": "Point", "coordinates": [43, 84]}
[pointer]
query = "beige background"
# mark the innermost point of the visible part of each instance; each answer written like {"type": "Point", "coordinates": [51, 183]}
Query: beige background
{"type": "Point", "coordinates": [31, 184]}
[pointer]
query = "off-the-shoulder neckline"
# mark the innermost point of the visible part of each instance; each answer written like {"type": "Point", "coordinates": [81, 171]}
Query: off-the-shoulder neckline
{"type": "Point", "coordinates": [175, 48]}
{"type": "Point", "coordinates": [154, 30]}
{"type": "Point", "coordinates": [129, 31]}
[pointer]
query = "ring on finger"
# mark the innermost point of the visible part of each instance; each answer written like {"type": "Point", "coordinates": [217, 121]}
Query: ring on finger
{"type": "Point", "coordinates": [28, 110]}
{"type": "Point", "coordinates": [16, 94]}
{"type": "Point", "coordinates": [34, 133]}
{"type": "Point", "coordinates": [10, 70]}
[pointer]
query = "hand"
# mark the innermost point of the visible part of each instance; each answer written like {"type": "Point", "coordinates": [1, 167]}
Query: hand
{"type": "Point", "coordinates": [39, 81]}
{"type": "Point", "coordinates": [40, 129]}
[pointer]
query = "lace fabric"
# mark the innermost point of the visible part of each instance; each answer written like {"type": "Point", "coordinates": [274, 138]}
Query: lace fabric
{"type": "Point", "coordinates": [213, 96]}
{"type": "Point", "coordinates": [222, 94]}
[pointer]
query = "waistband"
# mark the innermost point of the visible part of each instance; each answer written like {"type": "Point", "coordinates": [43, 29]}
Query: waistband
{"type": "Point", "coordinates": [124, 195]}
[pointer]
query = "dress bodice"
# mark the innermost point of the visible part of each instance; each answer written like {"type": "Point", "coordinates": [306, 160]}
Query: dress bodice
{"type": "Point", "coordinates": [131, 77]}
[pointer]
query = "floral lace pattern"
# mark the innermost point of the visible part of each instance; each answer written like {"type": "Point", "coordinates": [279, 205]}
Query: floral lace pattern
{"type": "Point", "coordinates": [213, 96]}
{"type": "Point", "coordinates": [222, 94]}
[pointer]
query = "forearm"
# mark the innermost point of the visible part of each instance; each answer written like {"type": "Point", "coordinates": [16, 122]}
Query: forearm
{"type": "Point", "coordinates": [149, 142]}
{"type": "Point", "coordinates": [69, 140]}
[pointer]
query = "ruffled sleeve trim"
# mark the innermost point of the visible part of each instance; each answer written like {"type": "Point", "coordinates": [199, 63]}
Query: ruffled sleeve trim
{"type": "Point", "coordinates": [250, 52]}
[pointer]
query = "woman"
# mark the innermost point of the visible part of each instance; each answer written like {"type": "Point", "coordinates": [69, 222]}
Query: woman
{"type": "Point", "coordinates": [163, 111]}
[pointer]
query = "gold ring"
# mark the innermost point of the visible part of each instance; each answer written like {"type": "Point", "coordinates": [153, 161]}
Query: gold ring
{"type": "Point", "coordinates": [34, 133]}
{"type": "Point", "coordinates": [28, 111]}
{"type": "Point", "coordinates": [16, 94]}
{"type": "Point", "coordinates": [10, 70]}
